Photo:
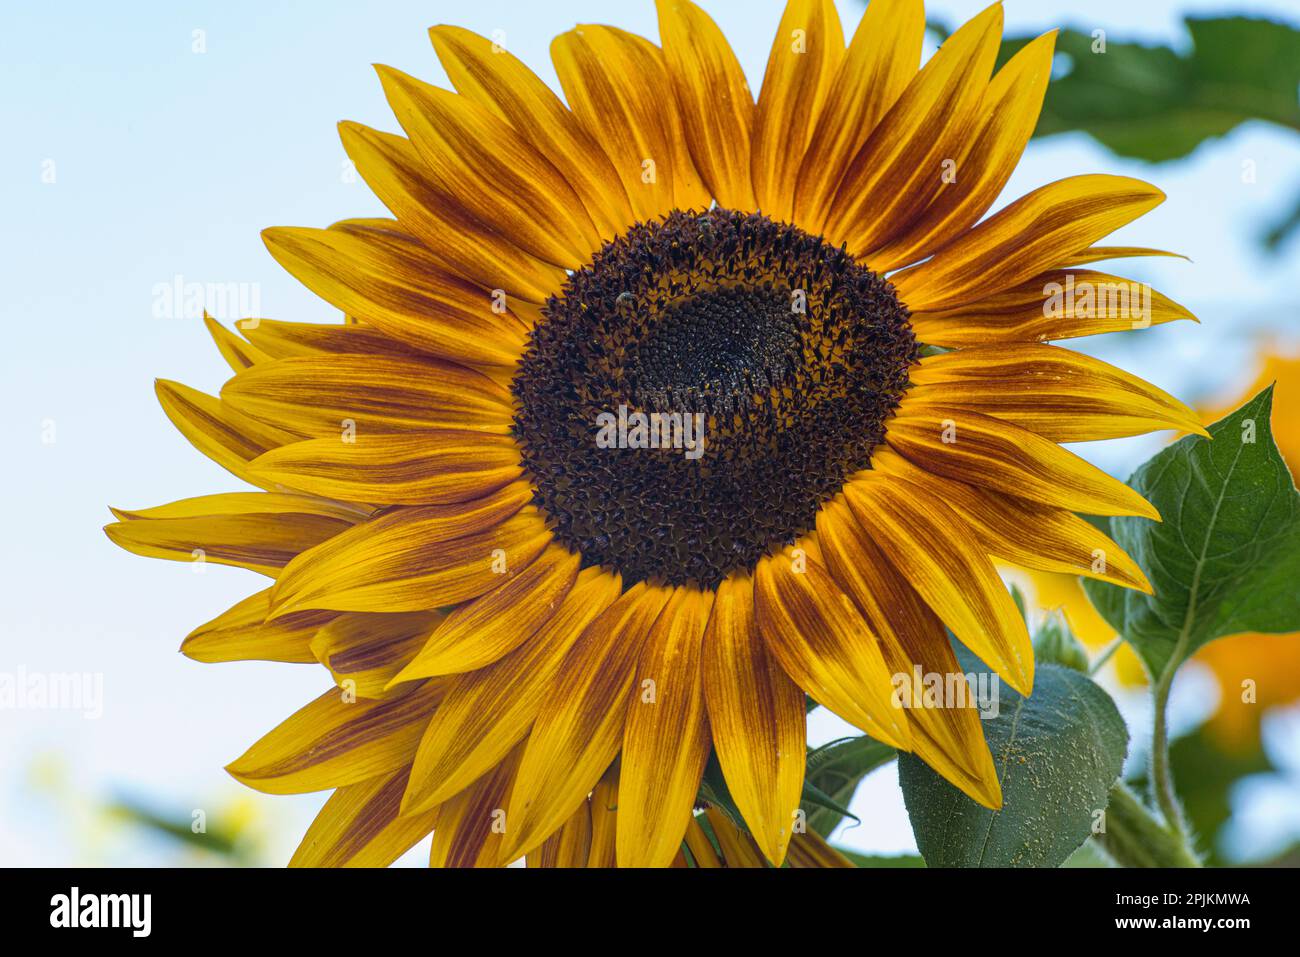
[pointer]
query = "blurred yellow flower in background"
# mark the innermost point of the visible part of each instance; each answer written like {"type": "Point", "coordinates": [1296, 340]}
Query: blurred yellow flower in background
{"type": "Point", "coordinates": [1270, 663]}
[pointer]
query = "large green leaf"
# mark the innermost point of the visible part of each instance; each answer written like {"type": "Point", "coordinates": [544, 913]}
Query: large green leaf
{"type": "Point", "coordinates": [1226, 558]}
{"type": "Point", "coordinates": [1155, 103]}
{"type": "Point", "coordinates": [1057, 753]}
{"type": "Point", "coordinates": [834, 773]}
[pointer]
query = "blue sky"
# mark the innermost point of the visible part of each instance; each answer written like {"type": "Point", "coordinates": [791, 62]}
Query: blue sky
{"type": "Point", "coordinates": [168, 162]}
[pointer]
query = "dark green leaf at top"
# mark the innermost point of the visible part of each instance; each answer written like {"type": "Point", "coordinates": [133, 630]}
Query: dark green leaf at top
{"type": "Point", "coordinates": [1155, 103]}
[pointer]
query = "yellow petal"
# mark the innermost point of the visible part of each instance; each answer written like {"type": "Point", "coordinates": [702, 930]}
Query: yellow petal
{"type": "Point", "coordinates": [801, 69]}
{"type": "Point", "coordinates": [666, 738]}
{"type": "Point", "coordinates": [243, 634]}
{"type": "Point", "coordinates": [615, 82]}
{"type": "Point", "coordinates": [1008, 117]}
{"type": "Point", "coordinates": [392, 282]}
{"type": "Point", "coordinates": [255, 530]}
{"type": "Point", "coordinates": [472, 825]}
{"type": "Point", "coordinates": [415, 559]}
{"type": "Point", "coordinates": [702, 851]}
{"type": "Point", "coordinates": [284, 340]}
{"type": "Point", "coordinates": [757, 717]}
{"type": "Point", "coordinates": [881, 61]}
{"type": "Point", "coordinates": [462, 243]}
{"type": "Point", "coordinates": [1095, 254]}
{"type": "Point", "coordinates": [821, 641]}
{"type": "Point", "coordinates": [901, 167]}
{"type": "Point", "coordinates": [332, 396]}
{"type": "Point", "coordinates": [411, 468]}
{"type": "Point", "coordinates": [473, 154]}
{"type": "Point", "coordinates": [604, 820]}
{"type": "Point", "coordinates": [229, 438]}
{"type": "Point", "coordinates": [946, 732]}
{"type": "Point", "coordinates": [239, 355]}
{"type": "Point", "coordinates": [359, 826]}
{"type": "Point", "coordinates": [981, 450]}
{"type": "Point", "coordinates": [934, 552]}
{"type": "Point", "coordinates": [1061, 304]}
{"type": "Point", "coordinates": [1061, 395]}
{"type": "Point", "coordinates": [336, 741]}
{"type": "Point", "coordinates": [365, 651]}
{"type": "Point", "coordinates": [490, 627]}
{"type": "Point", "coordinates": [716, 105]}
{"type": "Point", "coordinates": [485, 712]}
{"type": "Point", "coordinates": [492, 77]}
{"type": "Point", "coordinates": [1022, 533]}
{"type": "Point", "coordinates": [738, 848]}
{"type": "Point", "coordinates": [570, 846]}
{"type": "Point", "coordinates": [1033, 234]}
{"type": "Point", "coordinates": [809, 849]}
{"type": "Point", "coordinates": [580, 727]}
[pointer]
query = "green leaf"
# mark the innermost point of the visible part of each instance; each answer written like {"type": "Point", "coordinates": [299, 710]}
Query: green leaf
{"type": "Point", "coordinates": [834, 773]}
{"type": "Point", "coordinates": [1226, 558]}
{"type": "Point", "coordinates": [1057, 753]}
{"type": "Point", "coordinates": [1154, 103]}
{"type": "Point", "coordinates": [815, 798]}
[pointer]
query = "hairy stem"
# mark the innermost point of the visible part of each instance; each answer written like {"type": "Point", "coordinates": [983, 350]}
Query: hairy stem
{"type": "Point", "coordinates": [1162, 778]}
{"type": "Point", "coordinates": [1133, 837]}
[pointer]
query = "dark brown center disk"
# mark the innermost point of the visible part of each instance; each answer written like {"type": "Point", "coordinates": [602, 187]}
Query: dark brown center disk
{"type": "Point", "coordinates": [695, 393]}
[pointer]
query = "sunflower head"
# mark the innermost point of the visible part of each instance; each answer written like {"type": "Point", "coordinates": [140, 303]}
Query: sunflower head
{"type": "Point", "coordinates": [657, 409]}
{"type": "Point", "coordinates": [772, 357]}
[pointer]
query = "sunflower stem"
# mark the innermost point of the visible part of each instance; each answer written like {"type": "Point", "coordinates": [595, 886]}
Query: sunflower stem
{"type": "Point", "coordinates": [1134, 837]}
{"type": "Point", "coordinates": [1162, 777]}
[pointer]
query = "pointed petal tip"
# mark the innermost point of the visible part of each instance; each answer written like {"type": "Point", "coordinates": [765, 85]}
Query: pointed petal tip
{"type": "Point", "coordinates": [405, 676]}
{"type": "Point", "coordinates": [413, 802]}
{"type": "Point", "coordinates": [281, 604]}
{"type": "Point", "coordinates": [273, 236]}
{"type": "Point", "coordinates": [776, 851]}
{"type": "Point", "coordinates": [1019, 674]}
{"type": "Point", "coordinates": [989, 794]}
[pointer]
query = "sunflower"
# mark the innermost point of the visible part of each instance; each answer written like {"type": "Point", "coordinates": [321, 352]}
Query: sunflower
{"type": "Point", "coordinates": [509, 604]}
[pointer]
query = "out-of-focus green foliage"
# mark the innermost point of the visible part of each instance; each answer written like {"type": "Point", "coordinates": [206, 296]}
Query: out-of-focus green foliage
{"type": "Point", "coordinates": [1156, 103]}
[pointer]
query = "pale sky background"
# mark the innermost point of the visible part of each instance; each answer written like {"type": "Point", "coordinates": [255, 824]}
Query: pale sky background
{"type": "Point", "coordinates": [168, 163]}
